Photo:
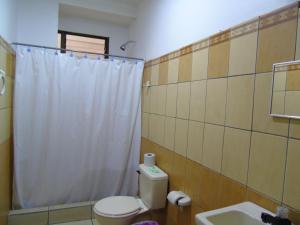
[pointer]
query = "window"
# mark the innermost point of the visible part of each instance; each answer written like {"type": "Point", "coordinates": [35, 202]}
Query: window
{"type": "Point", "coordinates": [82, 42]}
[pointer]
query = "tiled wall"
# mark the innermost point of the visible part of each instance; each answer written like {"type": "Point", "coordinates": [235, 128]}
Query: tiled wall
{"type": "Point", "coordinates": [7, 59]}
{"type": "Point", "coordinates": [206, 116]}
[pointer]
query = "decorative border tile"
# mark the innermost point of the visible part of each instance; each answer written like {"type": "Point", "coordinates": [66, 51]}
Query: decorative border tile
{"type": "Point", "coordinates": [279, 16]}
{"type": "Point", "coordinates": [283, 68]}
{"type": "Point", "coordinates": [244, 28]}
{"type": "Point", "coordinates": [201, 44]}
{"type": "Point", "coordinates": [219, 38]}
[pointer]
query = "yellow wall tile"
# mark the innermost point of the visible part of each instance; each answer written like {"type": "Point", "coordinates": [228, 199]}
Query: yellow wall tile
{"type": "Point", "coordinates": [195, 141]}
{"type": "Point", "coordinates": [291, 108]}
{"type": "Point", "coordinates": [291, 195]}
{"type": "Point", "coordinates": [157, 128]}
{"type": "Point", "coordinates": [155, 74]}
{"type": "Point", "coordinates": [293, 80]}
{"type": "Point", "coordinates": [267, 164]}
{"type": "Point", "coordinates": [169, 133]}
{"type": "Point", "coordinates": [147, 75]}
{"type": "Point", "coordinates": [6, 99]}
{"type": "Point", "coordinates": [212, 146]}
{"type": "Point", "coordinates": [262, 121]}
{"type": "Point", "coordinates": [276, 44]}
{"type": "Point", "coordinates": [236, 154]}
{"type": "Point", "coordinates": [163, 73]}
{"type": "Point", "coordinates": [279, 81]}
{"type": "Point", "coordinates": [199, 64]}
{"type": "Point", "coordinates": [171, 101]}
{"type": "Point", "coordinates": [197, 102]}
{"type": "Point", "coordinates": [173, 69]}
{"type": "Point", "coordinates": [218, 60]}
{"type": "Point", "coordinates": [183, 100]}
{"type": "Point", "coordinates": [240, 101]}
{"type": "Point", "coordinates": [216, 100]}
{"type": "Point", "coordinates": [178, 175]}
{"type": "Point", "coordinates": [181, 136]}
{"type": "Point", "coordinates": [297, 56]}
{"type": "Point", "coordinates": [278, 99]}
{"type": "Point", "coordinates": [145, 125]}
{"type": "Point", "coordinates": [295, 129]}
{"type": "Point", "coordinates": [243, 54]}
{"type": "Point", "coordinates": [5, 125]}
{"type": "Point", "coordinates": [146, 99]}
{"type": "Point", "coordinates": [185, 67]}
{"type": "Point", "coordinates": [158, 99]}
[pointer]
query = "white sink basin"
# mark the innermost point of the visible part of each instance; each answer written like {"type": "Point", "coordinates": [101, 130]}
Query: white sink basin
{"type": "Point", "coordinates": [246, 213]}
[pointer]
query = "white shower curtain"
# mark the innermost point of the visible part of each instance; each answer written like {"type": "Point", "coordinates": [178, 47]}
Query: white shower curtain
{"type": "Point", "coordinates": [77, 128]}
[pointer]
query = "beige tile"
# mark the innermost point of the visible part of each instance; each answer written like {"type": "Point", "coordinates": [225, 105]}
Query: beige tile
{"type": "Point", "coordinates": [6, 99]}
{"type": "Point", "coordinates": [163, 73]}
{"type": "Point", "coordinates": [297, 56]}
{"type": "Point", "coordinates": [157, 128]}
{"type": "Point", "coordinates": [185, 67]}
{"type": "Point", "coordinates": [5, 125]}
{"type": "Point", "coordinates": [291, 100]}
{"type": "Point", "coordinates": [145, 125]}
{"type": "Point", "coordinates": [199, 64]}
{"type": "Point", "coordinates": [267, 163]}
{"type": "Point", "coordinates": [146, 99]}
{"type": "Point", "coordinates": [212, 147]}
{"type": "Point", "coordinates": [158, 99]}
{"type": "Point", "coordinates": [291, 195]}
{"type": "Point", "coordinates": [236, 154]}
{"type": "Point", "coordinates": [278, 102]}
{"type": "Point", "coordinates": [279, 81]}
{"type": "Point", "coordinates": [216, 101]}
{"type": "Point", "coordinates": [80, 222]}
{"type": "Point", "coordinates": [218, 55]}
{"type": "Point", "coordinates": [173, 69]}
{"type": "Point", "coordinates": [183, 100]}
{"type": "Point", "coordinates": [197, 102]}
{"type": "Point", "coordinates": [293, 80]}
{"type": "Point", "coordinates": [240, 101]}
{"type": "Point", "coordinates": [36, 218]}
{"type": "Point", "coordinates": [195, 141]}
{"type": "Point", "coordinates": [171, 100]}
{"type": "Point", "coordinates": [243, 54]}
{"type": "Point", "coordinates": [262, 121]}
{"type": "Point", "coordinates": [155, 74]}
{"type": "Point", "coordinates": [295, 129]}
{"type": "Point", "coordinates": [67, 213]}
{"type": "Point", "coordinates": [169, 136]}
{"type": "Point", "coordinates": [276, 44]}
{"type": "Point", "coordinates": [147, 75]}
{"type": "Point", "coordinates": [181, 136]}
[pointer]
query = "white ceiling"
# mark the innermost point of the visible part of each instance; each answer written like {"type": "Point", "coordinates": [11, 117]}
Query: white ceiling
{"type": "Point", "coordinates": [121, 12]}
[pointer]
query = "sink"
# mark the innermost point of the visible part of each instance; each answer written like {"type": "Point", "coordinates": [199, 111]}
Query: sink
{"type": "Point", "coordinates": [246, 213]}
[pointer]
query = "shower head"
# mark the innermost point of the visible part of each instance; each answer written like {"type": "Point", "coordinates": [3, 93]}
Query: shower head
{"type": "Point", "coordinates": [123, 46]}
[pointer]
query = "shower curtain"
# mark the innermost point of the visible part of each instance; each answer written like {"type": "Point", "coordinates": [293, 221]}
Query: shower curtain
{"type": "Point", "coordinates": [77, 127]}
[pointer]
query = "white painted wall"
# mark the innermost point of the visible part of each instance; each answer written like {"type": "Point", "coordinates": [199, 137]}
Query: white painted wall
{"type": "Point", "coordinates": [166, 25]}
{"type": "Point", "coordinates": [117, 34]}
{"type": "Point", "coordinates": [8, 17]}
{"type": "Point", "coordinates": [37, 22]}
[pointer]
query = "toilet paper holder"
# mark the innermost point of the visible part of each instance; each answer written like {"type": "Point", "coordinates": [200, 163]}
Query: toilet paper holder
{"type": "Point", "coordinates": [179, 198]}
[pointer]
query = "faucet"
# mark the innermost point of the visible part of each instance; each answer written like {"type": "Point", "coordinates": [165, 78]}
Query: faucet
{"type": "Point", "coordinates": [279, 219]}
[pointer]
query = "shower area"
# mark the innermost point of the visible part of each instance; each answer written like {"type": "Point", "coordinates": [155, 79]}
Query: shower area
{"type": "Point", "coordinates": [77, 126]}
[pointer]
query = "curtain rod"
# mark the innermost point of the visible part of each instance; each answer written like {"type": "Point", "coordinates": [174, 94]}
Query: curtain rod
{"type": "Point", "coordinates": [68, 50]}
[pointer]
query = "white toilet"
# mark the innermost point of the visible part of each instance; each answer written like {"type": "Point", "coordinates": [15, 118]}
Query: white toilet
{"type": "Point", "coordinates": [120, 210]}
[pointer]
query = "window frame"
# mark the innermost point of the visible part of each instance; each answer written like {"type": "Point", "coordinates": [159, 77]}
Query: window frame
{"type": "Point", "coordinates": [64, 34]}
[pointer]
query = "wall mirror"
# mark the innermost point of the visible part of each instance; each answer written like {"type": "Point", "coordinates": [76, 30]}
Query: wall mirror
{"type": "Point", "coordinates": [285, 100]}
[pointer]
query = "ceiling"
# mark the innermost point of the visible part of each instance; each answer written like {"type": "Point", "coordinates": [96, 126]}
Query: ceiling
{"type": "Point", "coordinates": [121, 12]}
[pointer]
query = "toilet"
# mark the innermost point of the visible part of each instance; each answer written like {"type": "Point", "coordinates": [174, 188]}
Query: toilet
{"type": "Point", "coordinates": [121, 210]}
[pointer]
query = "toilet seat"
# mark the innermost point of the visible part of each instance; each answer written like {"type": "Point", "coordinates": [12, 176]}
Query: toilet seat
{"type": "Point", "coordinates": [117, 206]}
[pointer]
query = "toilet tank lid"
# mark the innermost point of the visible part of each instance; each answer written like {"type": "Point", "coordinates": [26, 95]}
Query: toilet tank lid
{"type": "Point", "coordinates": [153, 172]}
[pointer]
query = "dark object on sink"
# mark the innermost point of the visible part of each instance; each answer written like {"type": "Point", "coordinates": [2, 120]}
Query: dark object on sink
{"type": "Point", "coordinates": [274, 220]}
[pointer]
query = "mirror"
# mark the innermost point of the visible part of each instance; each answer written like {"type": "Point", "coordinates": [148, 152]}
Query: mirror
{"type": "Point", "coordinates": [285, 100]}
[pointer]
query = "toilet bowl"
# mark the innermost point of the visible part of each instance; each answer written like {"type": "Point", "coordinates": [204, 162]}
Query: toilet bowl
{"type": "Point", "coordinates": [118, 210]}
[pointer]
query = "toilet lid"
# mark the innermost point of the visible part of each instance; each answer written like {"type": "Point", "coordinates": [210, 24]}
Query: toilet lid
{"type": "Point", "coordinates": [117, 206]}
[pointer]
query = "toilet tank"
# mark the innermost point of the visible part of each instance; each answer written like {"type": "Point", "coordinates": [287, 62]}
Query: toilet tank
{"type": "Point", "coordinates": [153, 185]}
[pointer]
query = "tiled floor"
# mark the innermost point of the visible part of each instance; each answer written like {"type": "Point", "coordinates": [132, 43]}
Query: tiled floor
{"type": "Point", "coordinates": [81, 222]}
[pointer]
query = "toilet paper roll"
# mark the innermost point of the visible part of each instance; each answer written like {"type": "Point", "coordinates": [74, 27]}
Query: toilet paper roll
{"type": "Point", "coordinates": [174, 196]}
{"type": "Point", "coordinates": [149, 159]}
